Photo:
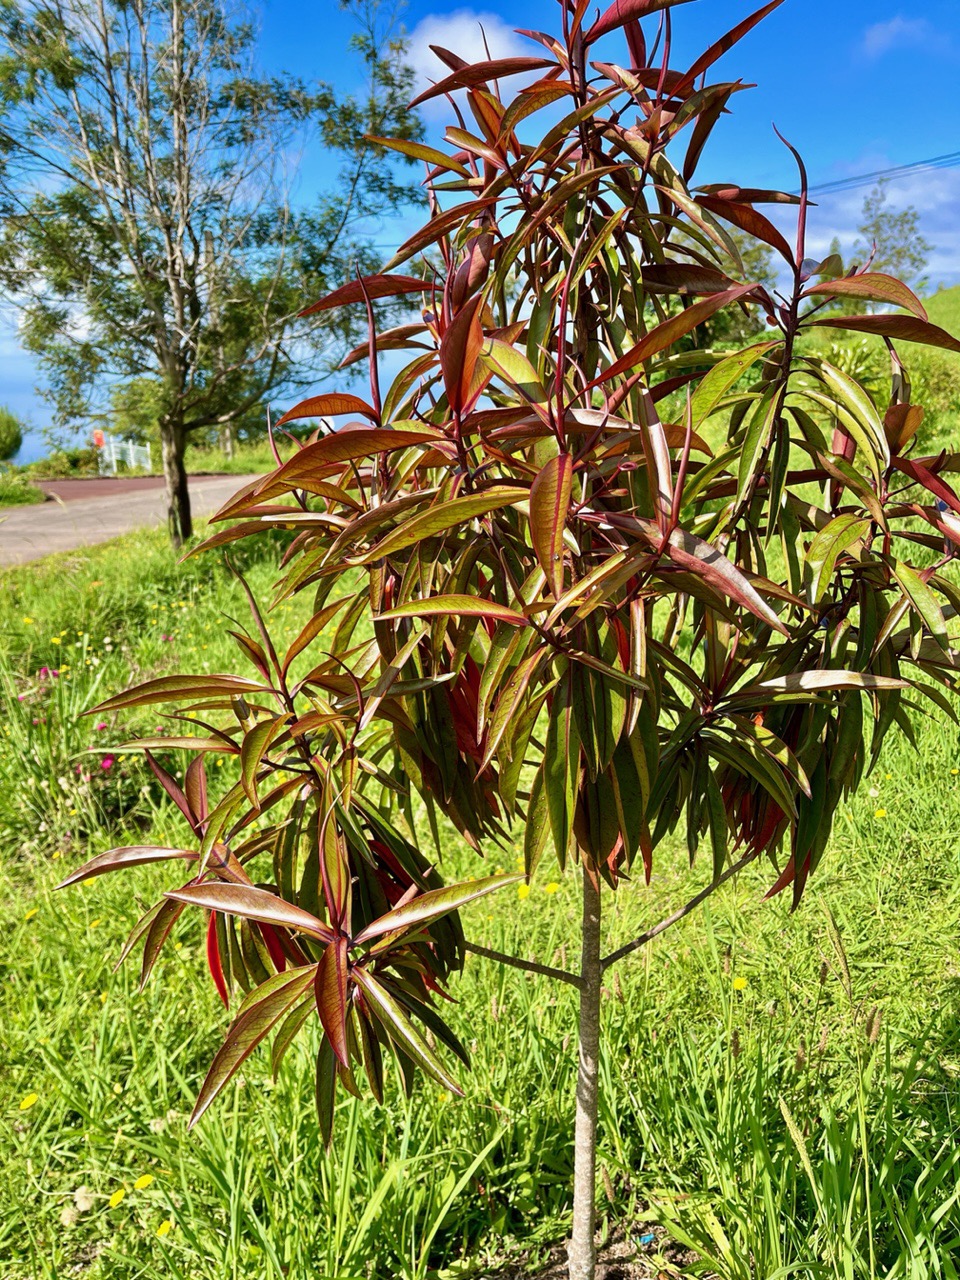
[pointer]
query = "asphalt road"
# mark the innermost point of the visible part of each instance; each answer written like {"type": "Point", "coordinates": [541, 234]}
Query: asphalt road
{"type": "Point", "coordinates": [29, 533]}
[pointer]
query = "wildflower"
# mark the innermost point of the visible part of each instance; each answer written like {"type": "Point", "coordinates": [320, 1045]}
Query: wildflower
{"type": "Point", "coordinates": [955, 772]}
{"type": "Point", "coordinates": [31, 913]}
{"type": "Point", "coordinates": [165, 1228]}
{"type": "Point", "coordinates": [43, 672]}
{"type": "Point", "coordinates": [116, 1197]}
{"type": "Point", "coordinates": [880, 813]}
{"type": "Point", "coordinates": [95, 923]}
{"type": "Point", "coordinates": [143, 1182]}
{"type": "Point", "coordinates": [739, 984]}
{"type": "Point", "coordinates": [29, 1101]}
{"type": "Point", "coordinates": [27, 622]}
{"type": "Point", "coordinates": [100, 726]}
{"type": "Point", "coordinates": [83, 1199]}
{"type": "Point", "coordinates": [552, 887]}
{"type": "Point", "coordinates": [523, 891]}
{"type": "Point", "coordinates": [107, 762]}
{"type": "Point", "coordinates": [54, 639]}
{"type": "Point", "coordinates": [118, 1088]}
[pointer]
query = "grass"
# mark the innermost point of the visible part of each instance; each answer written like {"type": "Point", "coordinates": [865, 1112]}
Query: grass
{"type": "Point", "coordinates": [15, 491]}
{"type": "Point", "coordinates": [780, 1091]}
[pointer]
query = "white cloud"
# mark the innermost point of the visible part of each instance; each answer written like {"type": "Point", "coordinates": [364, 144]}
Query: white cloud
{"type": "Point", "coordinates": [462, 32]}
{"type": "Point", "coordinates": [882, 37]}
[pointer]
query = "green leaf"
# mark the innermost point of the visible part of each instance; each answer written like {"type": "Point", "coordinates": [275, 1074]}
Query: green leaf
{"type": "Point", "coordinates": [255, 745]}
{"type": "Point", "coordinates": [832, 540]}
{"type": "Point", "coordinates": [924, 602]}
{"type": "Point", "coordinates": [561, 766]}
{"type": "Point", "coordinates": [715, 384]}
{"type": "Point", "coordinates": [875, 286]}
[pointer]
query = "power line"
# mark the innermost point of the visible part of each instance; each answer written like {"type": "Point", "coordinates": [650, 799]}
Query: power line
{"type": "Point", "coordinates": [949, 161]}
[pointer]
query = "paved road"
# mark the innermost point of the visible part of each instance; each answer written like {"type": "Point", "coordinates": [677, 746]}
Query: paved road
{"type": "Point", "coordinates": [99, 486]}
{"type": "Point", "coordinates": [28, 533]}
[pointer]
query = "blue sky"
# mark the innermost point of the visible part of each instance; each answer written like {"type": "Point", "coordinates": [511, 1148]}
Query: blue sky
{"type": "Point", "coordinates": [856, 85]}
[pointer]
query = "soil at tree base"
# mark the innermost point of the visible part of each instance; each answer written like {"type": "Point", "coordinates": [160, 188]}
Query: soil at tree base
{"type": "Point", "coordinates": [622, 1258]}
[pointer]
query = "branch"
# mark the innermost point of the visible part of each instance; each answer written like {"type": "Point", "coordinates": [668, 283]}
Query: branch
{"type": "Point", "coordinates": [529, 966]}
{"type": "Point", "coordinates": [677, 916]}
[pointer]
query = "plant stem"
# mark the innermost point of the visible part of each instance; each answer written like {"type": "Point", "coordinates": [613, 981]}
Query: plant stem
{"type": "Point", "coordinates": [581, 1252]}
{"type": "Point", "coordinates": [529, 966]}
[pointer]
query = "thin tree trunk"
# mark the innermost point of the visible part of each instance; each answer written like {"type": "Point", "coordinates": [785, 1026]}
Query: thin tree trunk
{"type": "Point", "coordinates": [172, 446]}
{"type": "Point", "coordinates": [581, 1252]}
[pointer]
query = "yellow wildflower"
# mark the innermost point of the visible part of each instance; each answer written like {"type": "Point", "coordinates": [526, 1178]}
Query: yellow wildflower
{"type": "Point", "coordinates": [31, 913]}
{"type": "Point", "coordinates": [117, 1197]}
{"type": "Point", "coordinates": [739, 984]}
{"type": "Point", "coordinates": [880, 813]}
{"type": "Point", "coordinates": [143, 1182]}
{"type": "Point", "coordinates": [29, 1101]}
{"type": "Point", "coordinates": [552, 887]}
{"type": "Point", "coordinates": [523, 891]}
{"type": "Point", "coordinates": [27, 622]}
{"type": "Point", "coordinates": [165, 1228]}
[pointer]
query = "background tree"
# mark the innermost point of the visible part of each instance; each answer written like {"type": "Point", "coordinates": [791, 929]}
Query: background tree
{"type": "Point", "coordinates": [571, 615]}
{"type": "Point", "coordinates": [149, 233]}
{"type": "Point", "coordinates": [894, 238]}
{"type": "Point", "coordinates": [11, 435]}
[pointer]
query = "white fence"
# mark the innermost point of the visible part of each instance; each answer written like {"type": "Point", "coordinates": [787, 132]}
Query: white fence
{"type": "Point", "coordinates": [113, 451]}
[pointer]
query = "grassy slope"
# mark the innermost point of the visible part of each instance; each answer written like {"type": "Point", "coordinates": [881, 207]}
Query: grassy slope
{"type": "Point", "coordinates": [692, 1073]}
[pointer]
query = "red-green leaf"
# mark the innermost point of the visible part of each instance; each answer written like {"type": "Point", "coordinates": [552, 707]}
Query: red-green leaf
{"type": "Point", "coordinates": [905, 328]}
{"type": "Point", "coordinates": [382, 286]}
{"type": "Point", "coordinates": [249, 1029]}
{"type": "Point", "coordinates": [255, 745]}
{"type": "Point", "coordinates": [328, 406]}
{"type": "Point", "coordinates": [176, 688]}
{"type": "Point", "coordinates": [251, 903]}
{"type": "Point", "coordinates": [875, 286]}
{"type": "Point", "coordinates": [623, 11]}
{"type": "Point", "coordinates": [331, 988]}
{"type": "Point", "coordinates": [456, 606]}
{"type": "Point", "coordinates": [549, 504]}
{"type": "Point", "coordinates": [460, 348]}
{"type": "Point", "coordinates": [432, 905]}
{"type": "Point", "coordinates": [402, 1031]}
{"type": "Point", "coordinates": [115, 859]}
{"type": "Point", "coordinates": [482, 73]}
{"type": "Point", "coordinates": [748, 219]}
{"type": "Point", "coordinates": [443, 516]}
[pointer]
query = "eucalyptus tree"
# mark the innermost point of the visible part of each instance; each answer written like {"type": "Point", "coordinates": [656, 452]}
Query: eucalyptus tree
{"type": "Point", "coordinates": [149, 233]}
{"type": "Point", "coordinates": [573, 583]}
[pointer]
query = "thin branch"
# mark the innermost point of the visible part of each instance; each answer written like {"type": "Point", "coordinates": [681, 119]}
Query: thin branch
{"type": "Point", "coordinates": [529, 966]}
{"type": "Point", "coordinates": [677, 916]}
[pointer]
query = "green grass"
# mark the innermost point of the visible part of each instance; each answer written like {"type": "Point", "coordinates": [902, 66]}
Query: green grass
{"type": "Point", "coordinates": [15, 491]}
{"type": "Point", "coordinates": [693, 1133]}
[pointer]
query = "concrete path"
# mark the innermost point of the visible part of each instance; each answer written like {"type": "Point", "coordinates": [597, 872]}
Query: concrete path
{"type": "Point", "coordinates": [28, 533]}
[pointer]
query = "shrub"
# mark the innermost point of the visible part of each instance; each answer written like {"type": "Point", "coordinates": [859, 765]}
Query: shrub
{"type": "Point", "coordinates": [536, 602]}
{"type": "Point", "coordinates": [17, 491]}
{"type": "Point", "coordinates": [11, 435]}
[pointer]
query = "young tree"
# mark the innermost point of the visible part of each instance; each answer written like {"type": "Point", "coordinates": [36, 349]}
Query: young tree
{"type": "Point", "coordinates": [149, 236]}
{"type": "Point", "coordinates": [566, 611]}
{"type": "Point", "coordinates": [893, 239]}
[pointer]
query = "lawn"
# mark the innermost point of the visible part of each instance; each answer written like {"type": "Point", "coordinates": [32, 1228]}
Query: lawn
{"type": "Point", "coordinates": [780, 1091]}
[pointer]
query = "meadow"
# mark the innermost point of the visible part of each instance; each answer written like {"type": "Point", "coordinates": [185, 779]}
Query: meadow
{"type": "Point", "coordinates": [780, 1092]}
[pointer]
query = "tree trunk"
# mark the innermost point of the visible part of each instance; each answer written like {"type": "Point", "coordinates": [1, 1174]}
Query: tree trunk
{"type": "Point", "coordinates": [581, 1251]}
{"type": "Point", "coordinates": [227, 439]}
{"type": "Point", "coordinates": [173, 449]}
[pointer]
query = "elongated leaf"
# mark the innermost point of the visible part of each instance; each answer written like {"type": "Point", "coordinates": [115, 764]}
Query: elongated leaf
{"type": "Point", "coordinates": [402, 1031]}
{"type": "Point", "coordinates": [252, 904]}
{"type": "Point", "coordinates": [420, 151]}
{"type": "Point", "coordinates": [748, 219]}
{"type": "Point", "coordinates": [116, 859]}
{"type": "Point", "coordinates": [247, 1032]}
{"type": "Point", "coordinates": [832, 540]}
{"type": "Point", "coordinates": [332, 986]}
{"type": "Point", "coordinates": [722, 46]}
{"type": "Point", "coordinates": [931, 482]}
{"type": "Point", "coordinates": [561, 766]}
{"type": "Point", "coordinates": [549, 504]}
{"type": "Point", "coordinates": [822, 681]}
{"type": "Point", "coordinates": [432, 905]}
{"type": "Point", "coordinates": [905, 328]}
{"type": "Point", "coordinates": [443, 516]}
{"type": "Point", "coordinates": [482, 73]}
{"type": "Point", "coordinates": [875, 286]}
{"type": "Point", "coordinates": [328, 406]}
{"type": "Point", "coordinates": [623, 11]}
{"type": "Point", "coordinates": [455, 606]}
{"type": "Point", "coordinates": [924, 602]}
{"type": "Point", "coordinates": [667, 333]}
{"type": "Point", "coordinates": [255, 745]}
{"type": "Point", "coordinates": [382, 286]}
{"type": "Point", "coordinates": [176, 688]}
{"type": "Point", "coordinates": [345, 445]}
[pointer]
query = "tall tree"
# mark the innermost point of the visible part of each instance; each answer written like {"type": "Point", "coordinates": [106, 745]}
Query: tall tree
{"type": "Point", "coordinates": [894, 239]}
{"type": "Point", "coordinates": [149, 234]}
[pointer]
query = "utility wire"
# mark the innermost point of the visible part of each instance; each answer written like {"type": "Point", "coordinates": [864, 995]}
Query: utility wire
{"type": "Point", "coordinates": [949, 161]}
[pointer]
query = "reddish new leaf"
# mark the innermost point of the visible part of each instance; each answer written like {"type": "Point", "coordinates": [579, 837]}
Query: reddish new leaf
{"type": "Point", "coordinates": [328, 406]}
{"type": "Point", "coordinates": [331, 987]}
{"type": "Point", "coordinates": [748, 219]}
{"type": "Point", "coordinates": [482, 73]}
{"type": "Point", "coordinates": [116, 859]}
{"type": "Point", "coordinates": [455, 606]}
{"type": "Point", "coordinates": [905, 328]}
{"type": "Point", "coordinates": [622, 11]}
{"type": "Point", "coordinates": [875, 286]}
{"type": "Point", "coordinates": [213, 961]}
{"type": "Point", "coordinates": [252, 904]}
{"type": "Point", "coordinates": [382, 286]}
